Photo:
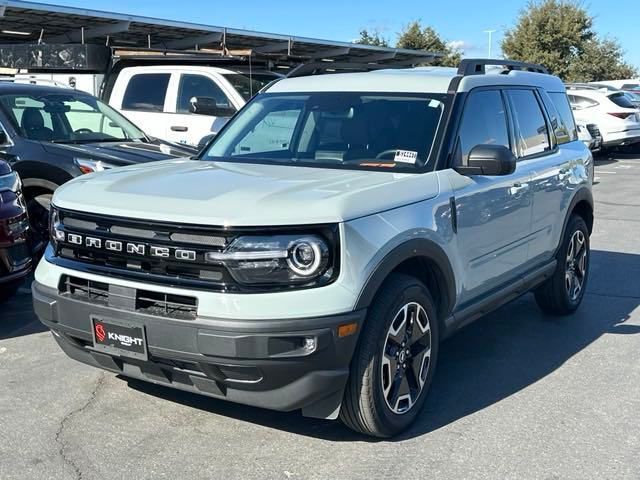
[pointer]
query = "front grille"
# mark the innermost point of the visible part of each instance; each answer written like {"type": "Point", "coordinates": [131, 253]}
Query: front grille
{"type": "Point", "coordinates": [163, 252]}
{"type": "Point", "coordinates": [141, 301]}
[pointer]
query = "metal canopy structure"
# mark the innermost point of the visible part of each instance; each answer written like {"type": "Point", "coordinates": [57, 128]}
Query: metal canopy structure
{"type": "Point", "coordinates": [24, 22]}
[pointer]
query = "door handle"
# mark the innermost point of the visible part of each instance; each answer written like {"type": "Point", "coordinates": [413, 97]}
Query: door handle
{"type": "Point", "coordinates": [518, 188]}
{"type": "Point", "coordinates": [178, 128]}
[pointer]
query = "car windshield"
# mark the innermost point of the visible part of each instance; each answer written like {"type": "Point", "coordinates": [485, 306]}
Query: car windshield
{"type": "Point", "coordinates": [67, 118]}
{"type": "Point", "coordinates": [248, 86]}
{"type": "Point", "coordinates": [331, 129]}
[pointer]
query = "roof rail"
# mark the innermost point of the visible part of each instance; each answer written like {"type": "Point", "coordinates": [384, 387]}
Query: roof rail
{"type": "Point", "coordinates": [318, 68]}
{"type": "Point", "coordinates": [477, 66]}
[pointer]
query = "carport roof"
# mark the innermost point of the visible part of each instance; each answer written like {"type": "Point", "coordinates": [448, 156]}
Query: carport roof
{"type": "Point", "coordinates": [30, 22]}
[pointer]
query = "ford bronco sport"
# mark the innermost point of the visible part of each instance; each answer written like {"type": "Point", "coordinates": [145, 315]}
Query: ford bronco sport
{"type": "Point", "coordinates": [327, 240]}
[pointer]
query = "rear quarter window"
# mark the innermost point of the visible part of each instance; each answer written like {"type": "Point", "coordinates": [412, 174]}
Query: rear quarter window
{"type": "Point", "coordinates": [146, 92]}
{"type": "Point", "coordinates": [621, 100]}
{"type": "Point", "coordinates": [566, 129]}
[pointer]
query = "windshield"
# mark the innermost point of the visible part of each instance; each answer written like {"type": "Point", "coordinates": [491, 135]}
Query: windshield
{"type": "Point", "coordinates": [348, 130]}
{"type": "Point", "coordinates": [249, 86]}
{"type": "Point", "coordinates": [67, 118]}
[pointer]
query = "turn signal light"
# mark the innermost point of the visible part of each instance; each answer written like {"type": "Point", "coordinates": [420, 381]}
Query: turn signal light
{"type": "Point", "coordinates": [347, 329]}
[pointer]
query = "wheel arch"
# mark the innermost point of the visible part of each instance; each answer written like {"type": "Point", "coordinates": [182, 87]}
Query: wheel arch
{"type": "Point", "coordinates": [581, 204]}
{"type": "Point", "coordinates": [41, 176]}
{"type": "Point", "coordinates": [420, 258]}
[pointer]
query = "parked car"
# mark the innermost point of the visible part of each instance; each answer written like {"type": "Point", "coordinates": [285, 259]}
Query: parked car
{"type": "Point", "coordinates": [614, 114]}
{"type": "Point", "coordinates": [184, 103]}
{"type": "Point", "coordinates": [320, 248]}
{"type": "Point", "coordinates": [51, 135]}
{"type": "Point", "coordinates": [15, 240]}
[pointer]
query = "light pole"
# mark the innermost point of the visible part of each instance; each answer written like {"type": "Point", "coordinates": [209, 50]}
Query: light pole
{"type": "Point", "coordinates": [490, 32]}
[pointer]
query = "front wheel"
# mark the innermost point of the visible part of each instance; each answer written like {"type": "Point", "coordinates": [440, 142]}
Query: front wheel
{"type": "Point", "coordinates": [563, 292]}
{"type": "Point", "coordinates": [38, 206]}
{"type": "Point", "coordinates": [394, 363]}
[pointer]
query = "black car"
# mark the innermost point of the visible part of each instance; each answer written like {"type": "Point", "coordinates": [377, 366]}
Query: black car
{"type": "Point", "coordinates": [15, 239]}
{"type": "Point", "coordinates": [50, 135]}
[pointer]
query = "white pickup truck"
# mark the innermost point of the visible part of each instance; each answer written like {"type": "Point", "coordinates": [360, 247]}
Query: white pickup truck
{"type": "Point", "coordinates": [177, 103]}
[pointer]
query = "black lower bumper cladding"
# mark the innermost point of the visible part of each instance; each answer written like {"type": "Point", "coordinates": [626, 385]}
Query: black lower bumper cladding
{"type": "Point", "coordinates": [277, 364]}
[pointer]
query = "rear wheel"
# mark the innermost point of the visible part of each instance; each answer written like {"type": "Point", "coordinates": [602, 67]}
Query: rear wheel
{"type": "Point", "coordinates": [395, 360]}
{"type": "Point", "coordinates": [563, 292]}
{"type": "Point", "coordinates": [8, 291]}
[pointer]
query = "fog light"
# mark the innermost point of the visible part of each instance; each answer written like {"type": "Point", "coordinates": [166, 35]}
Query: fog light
{"type": "Point", "coordinates": [309, 344]}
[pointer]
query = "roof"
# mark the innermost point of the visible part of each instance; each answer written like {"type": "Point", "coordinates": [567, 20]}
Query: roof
{"type": "Point", "coordinates": [28, 22]}
{"type": "Point", "coordinates": [413, 80]}
{"type": "Point", "coordinates": [8, 87]}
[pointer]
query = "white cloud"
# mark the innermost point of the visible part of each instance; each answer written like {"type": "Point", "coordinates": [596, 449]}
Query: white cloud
{"type": "Point", "coordinates": [460, 45]}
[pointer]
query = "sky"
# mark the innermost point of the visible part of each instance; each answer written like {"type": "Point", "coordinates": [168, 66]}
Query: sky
{"type": "Point", "coordinates": [459, 21]}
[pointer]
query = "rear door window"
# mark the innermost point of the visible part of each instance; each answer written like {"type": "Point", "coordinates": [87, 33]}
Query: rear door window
{"type": "Point", "coordinates": [484, 122]}
{"type": "Point", "coordinates": [530, 126]}
{"type": "Point", "coordinates": [192, 85]}
{"type": "Point", "coordinates": [146, 92]}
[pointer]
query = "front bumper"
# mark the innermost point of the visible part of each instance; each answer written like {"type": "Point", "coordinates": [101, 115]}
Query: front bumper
{"type": "Point", "coordinates": [253, 362]}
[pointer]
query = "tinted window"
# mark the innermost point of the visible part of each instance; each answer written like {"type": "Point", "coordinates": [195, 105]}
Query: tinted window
{"type": "Point", "coordinates": [146, 91]}
{"type": "Point", "coordinates": [621, 100]}
{"type": "Point", "coordinates": [198, 86]}
{"type": "Point", "coordinates": [565, 130]}
{"type": "Point", "coordinates": [483, 122]}
{"type": "Point", "coordinates": [531, 128]}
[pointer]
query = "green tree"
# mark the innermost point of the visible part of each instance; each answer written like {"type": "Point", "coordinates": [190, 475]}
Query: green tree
{"type": "Point", "coordinates": [416, 37]}
{"type": "Point", "coordinates": [559, 34]}
{"type": "Point", "coordinates": [374, 38]}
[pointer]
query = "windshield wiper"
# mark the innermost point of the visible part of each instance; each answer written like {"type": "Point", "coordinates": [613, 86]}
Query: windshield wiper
{"type": "Point", "coordinates": [90, 140]}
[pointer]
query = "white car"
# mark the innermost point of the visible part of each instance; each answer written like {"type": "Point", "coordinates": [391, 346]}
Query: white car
{"type": "Point", "coordinates": [183, 103]}
{"type": "Point", "coordinates": [613, 113]}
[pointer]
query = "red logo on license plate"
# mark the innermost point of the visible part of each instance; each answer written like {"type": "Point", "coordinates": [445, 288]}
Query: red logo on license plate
{"type": "Point", "coordinates": [101, 334]}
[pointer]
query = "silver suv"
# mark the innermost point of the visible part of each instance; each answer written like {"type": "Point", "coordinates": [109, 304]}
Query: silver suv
{"type": "Point", "coordinates": [321, 247]}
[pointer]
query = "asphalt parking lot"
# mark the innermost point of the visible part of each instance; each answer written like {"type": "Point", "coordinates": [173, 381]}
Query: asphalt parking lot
{"type": "Point", "coordinates": [517, 395]}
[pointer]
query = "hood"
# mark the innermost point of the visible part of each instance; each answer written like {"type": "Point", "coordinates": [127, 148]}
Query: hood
{"type": "Point", "coordinates": [119, 153]}
{"type": "Point", "coordinates": [236, 194]}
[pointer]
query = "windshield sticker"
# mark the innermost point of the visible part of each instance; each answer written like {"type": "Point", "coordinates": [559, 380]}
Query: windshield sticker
{"type": "Point", "coordinates": [405, 156]}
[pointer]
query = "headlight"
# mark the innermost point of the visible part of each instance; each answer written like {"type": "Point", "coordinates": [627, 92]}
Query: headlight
{"type": "Point", "coordinates": [280, 259]}
{"type": "Point", "coordinates": [55, 230]}
{"type": "Point", "coordinates": [11, 182]}
{"type": "Point", "coordinates": [89, 166]}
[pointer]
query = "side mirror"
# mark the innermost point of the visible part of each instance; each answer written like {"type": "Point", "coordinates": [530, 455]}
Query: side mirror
{"type": "Point", "coordinates": [208, 106]}
{"type": "Point", "coordinates": [489, 160]}
{"type": "Point", "coordinates": [204, 141]}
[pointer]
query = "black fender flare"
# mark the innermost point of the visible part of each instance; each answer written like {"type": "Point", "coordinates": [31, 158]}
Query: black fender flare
{"type": "Point", "coordinates": [415, 248]}
{"type": "Point", "coordinates": [583, 194]}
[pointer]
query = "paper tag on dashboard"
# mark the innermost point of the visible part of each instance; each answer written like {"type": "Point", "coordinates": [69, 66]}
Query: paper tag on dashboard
{"type": "Point", "coordinates": [405, 156]}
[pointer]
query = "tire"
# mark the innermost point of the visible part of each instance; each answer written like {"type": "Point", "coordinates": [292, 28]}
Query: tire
{"type": "Point", "coordinates": [8, 291]}
{"type": "Point", "coordinates": [365, 407]}
{"type": "Point", "coordinates": [558, 295]}
{"type": "Point", "coordinates": [38, 209]}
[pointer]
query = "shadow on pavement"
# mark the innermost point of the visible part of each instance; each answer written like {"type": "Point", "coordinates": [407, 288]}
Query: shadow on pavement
{"type": "Point", "coordinates": [486, 362]}
{"type": "Point", "coordinates": [17, 317]}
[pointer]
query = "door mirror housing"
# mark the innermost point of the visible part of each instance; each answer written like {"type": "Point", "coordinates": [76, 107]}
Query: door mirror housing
{"type": "Point", "coordinates": [489, 160]}
{"type": "Point", "coordinates": [208, 106]}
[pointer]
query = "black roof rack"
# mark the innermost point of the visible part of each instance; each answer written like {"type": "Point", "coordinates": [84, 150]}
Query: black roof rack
{"type": "Point", "coordinates": [318, 68]}
{"type": "Point", "coordinates": [477, 66]}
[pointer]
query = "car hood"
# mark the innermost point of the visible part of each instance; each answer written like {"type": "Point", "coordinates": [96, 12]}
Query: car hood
{"type": "Point", "coordinates": [235, 194]}
{"type": "Point", "coordinates": [119, 153]}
